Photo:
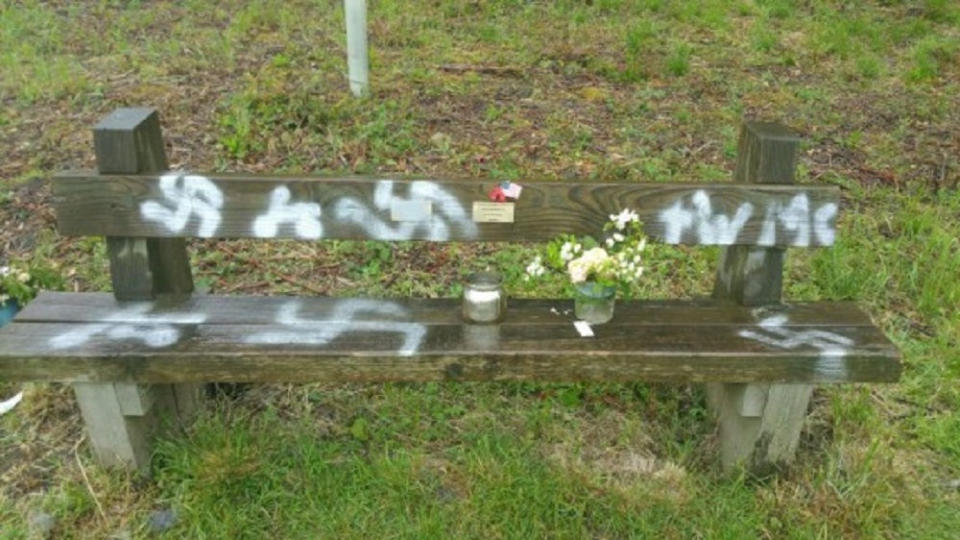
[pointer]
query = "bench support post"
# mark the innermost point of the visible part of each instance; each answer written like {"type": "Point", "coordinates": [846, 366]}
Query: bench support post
{"type": "Point", "coordinates": [759, 423]}
{"type": "Point", "coordinates": [121, 418]}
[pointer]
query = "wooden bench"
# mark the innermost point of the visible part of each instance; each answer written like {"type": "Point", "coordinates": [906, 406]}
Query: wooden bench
{"type": "Point", "coordinates": [144, 351]}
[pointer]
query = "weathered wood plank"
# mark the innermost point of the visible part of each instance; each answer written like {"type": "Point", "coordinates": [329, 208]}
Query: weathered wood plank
{"type": "Point", "coordinates": [752, 275]}
{"type": "Point", "coordinates": [759, 423]}
{"type": "Point", "coordinates": [303, 364]}
{"type": "Point", "coordinates": [135, 399]}
{"type": "Point", "coordinates": [193, 205]}
{"type": "Point", "coordinates": [122, 417]}
{"type": "Point", "coordinates": [129, 141]}
{"type": "Point", "coordinates": [237, 309]}
{"type": "Point", "coordinates": [382, 344]}
{"type": "Point", "coordinates": [118, 440]}
{"type": "Point", "coordinates": [130, 272]}
{"type": "Point", "coordinates": [765, 439]}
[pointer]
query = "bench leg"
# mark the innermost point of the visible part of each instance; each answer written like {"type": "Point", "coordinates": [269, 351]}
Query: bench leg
{"type": "Point", "coordinates": [759, 423]}
{"type": "Point", "coordinates": [122, 418]}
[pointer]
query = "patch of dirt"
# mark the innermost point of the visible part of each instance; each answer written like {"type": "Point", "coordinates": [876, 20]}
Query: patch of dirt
{"type": "Point", "coordinates": [23, 215]}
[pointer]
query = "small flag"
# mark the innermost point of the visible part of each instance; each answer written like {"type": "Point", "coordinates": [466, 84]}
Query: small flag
{"type": "Point", "coordinates": [511, 189]}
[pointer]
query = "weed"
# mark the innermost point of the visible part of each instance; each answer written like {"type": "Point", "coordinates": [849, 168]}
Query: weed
{"type": "Point", "coordinates": [931, 55]}
{"type": "Point", "coordinates": [869, 66]}
{"type": "Point", "coordinates": [678, 63]}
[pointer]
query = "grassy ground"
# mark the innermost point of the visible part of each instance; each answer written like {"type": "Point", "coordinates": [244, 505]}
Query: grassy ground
{"type": "Point", "coordinates": [634, 91]}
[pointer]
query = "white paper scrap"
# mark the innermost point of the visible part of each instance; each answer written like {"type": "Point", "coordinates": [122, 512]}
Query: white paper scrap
{"type": "Point", "coordinates": [584, 328]}
{"type": "Point", "coordinates": [8, 405]}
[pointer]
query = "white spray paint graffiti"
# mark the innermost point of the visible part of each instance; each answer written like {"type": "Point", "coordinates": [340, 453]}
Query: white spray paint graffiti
{"type": "Point", "coordinates": [833, 347]}
{"type": "Point", "coordinates": [796, 217]}
{"type": "Point", "coordinates": [342, 321]}
{"type": "Point", "coordinates": [712, 228]}
{"type": "Point", "coordinates": [304, 216]}
{"type": "Point", "coordinates": [435, 227]}
{"type": "Point", "coordinates": [185, 196]}
{"type": "Point", "coordinates": [134, 323]}
{"type": "Point", "coordinates": [824, 220]}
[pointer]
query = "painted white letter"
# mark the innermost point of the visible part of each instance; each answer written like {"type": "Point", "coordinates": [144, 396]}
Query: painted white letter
{"type": "Point", "coordinates": [305, 216]}
{"type": "Point", "coordinates": [189, 194]}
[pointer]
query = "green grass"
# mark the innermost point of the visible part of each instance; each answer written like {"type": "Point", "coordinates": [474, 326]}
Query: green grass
{"type": "Point", "coordinates": [626, 90]}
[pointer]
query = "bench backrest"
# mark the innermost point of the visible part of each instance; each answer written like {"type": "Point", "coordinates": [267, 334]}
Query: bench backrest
{"type": "Point", "coordinates": [171, 205]}
{"type": "Point", "coordinates": [144, 209]}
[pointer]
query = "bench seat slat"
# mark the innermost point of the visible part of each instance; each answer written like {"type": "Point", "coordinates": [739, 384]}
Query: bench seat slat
{"type": "Point", "coordinates": [237, 309]}
{"type": "Point", "coordinates": [327, 339]}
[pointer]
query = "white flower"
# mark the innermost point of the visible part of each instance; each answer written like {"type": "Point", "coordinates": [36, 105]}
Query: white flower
{"type": "Point", "coordinates": [609, 242]}
{"type": "Point", "coordinates": [535, 269]}
{"type": "Point", "coordinates": [595, 255]}
{"type": "Point", "coordinates": [591, 260]}
{"type": "Point", "coordinates": [578, 271]}
{"type": "Point", "coordinates": [625, 216]}
{"type": "Point", "coordinates": [4, 270]}
{"type": "Point", "coordinates": [617, 237]}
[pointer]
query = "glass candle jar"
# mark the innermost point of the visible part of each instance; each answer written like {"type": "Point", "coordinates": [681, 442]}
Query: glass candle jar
{"type": "Point", "coordinates": [483, 298]}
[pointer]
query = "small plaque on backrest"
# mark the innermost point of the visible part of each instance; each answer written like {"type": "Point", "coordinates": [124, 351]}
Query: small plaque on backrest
{"type": "Point", "coordinates": [492, 212]}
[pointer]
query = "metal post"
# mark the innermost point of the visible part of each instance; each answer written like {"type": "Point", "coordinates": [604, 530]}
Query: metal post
{"type": "Point", "coordinates": [357, 57]}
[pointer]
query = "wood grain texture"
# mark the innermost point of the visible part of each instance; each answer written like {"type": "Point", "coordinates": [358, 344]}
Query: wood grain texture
{"type": "Point", "coordinates": [135, 399]}
{"type": "Point", "coordinates": [760, 423]}
{"type": "Point", "coordinates": [764, 441]}
{"type": "Point", "coordinates": [359, 208]}
{"type": "Point", "coordinates": [386, 343]}
{"type": "Point", "coordinates": [118, 440]}
{"type": "Point", "coordinates": [752, 275]}
{"type": "Point", "coordinates": [170, 266]}
{"type": "Point", "coordinates": [766, 153]}
{"type": "Point", "coordinates": [129, 141]}
{"type": "Point", "coordinates": [130, 272]}
{"type": "Point", "coordinates": [241, 309]}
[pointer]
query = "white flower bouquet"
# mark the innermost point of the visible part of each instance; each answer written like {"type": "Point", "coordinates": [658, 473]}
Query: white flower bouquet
{"type": "Point", "coordinates": [597, 269]}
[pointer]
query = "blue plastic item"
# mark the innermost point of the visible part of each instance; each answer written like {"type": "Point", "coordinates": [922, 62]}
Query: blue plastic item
{"type": "Point", "coordinates": [7, 310]}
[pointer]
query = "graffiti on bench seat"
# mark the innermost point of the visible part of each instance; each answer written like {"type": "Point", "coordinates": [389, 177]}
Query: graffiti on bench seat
{"type": "Point", "coordinates": [133, 323]}
{"type": "Point", "coordinates": [343, 320]}
{"type": "Point", "coordinates": [833, 347]}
